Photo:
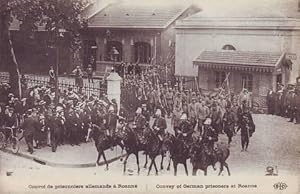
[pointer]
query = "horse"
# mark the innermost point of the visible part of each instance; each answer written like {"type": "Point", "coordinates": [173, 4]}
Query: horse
{"type": "Point", "coordinates": [130, 143]}
{"type": "Point", "coordinates": [103, 142]}
{"type": "Point", "coordinates": [201, 160]}
{"type": "Point", "coordinates": [179, 152]}
{"type": "Point", "coordinates": [154, 148]}
{"type": "Point", "coordinates": [151, 145]}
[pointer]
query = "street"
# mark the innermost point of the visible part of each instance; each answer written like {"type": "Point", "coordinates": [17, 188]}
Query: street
{"type": "Point", "coordinates": [275, 143]}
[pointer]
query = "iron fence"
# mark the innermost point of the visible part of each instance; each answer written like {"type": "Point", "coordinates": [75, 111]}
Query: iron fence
{"type": "Point", "coordinates": [96, 88]}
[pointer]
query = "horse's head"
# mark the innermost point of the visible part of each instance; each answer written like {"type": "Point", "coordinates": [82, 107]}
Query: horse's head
{"type": "Point", "coordinates": [168, 140]}
{"type": "Point", "coordinates": [93, 131]}
{"type": "Point", "coordinates": [196, 147]}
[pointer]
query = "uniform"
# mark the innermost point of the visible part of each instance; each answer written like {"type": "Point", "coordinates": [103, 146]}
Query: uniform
{"type": "Point", "coordinates": [111, 120]}
{"type": "Point", "coordinates": [159, 126]}
{"type": "Point", "coordinates": [184, 131]}
{"type": "Point", "coordinates": [216, 117]}
{"type": "Point", "coordinates": [247, 129]}
{"type": "Point", "coordinates": [192, 113]}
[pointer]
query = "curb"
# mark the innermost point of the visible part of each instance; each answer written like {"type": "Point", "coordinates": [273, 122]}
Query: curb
{"type": "Point", "coordinates": [61, 165]}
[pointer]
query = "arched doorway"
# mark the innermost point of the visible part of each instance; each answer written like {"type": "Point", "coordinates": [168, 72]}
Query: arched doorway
{"type": "Point", "coordinates": [142, 52]}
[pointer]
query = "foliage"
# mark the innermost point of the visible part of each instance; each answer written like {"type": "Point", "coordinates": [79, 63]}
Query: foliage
{"type": "Point", "coordinates": [52, 15]}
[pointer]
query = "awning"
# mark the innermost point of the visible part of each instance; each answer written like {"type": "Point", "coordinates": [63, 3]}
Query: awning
{"type": "Point", "coordinates": [240, 60]}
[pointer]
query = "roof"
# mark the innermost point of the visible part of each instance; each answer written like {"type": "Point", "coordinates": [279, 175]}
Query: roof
{"type": "Point", "coordinates": [250, 60]}
{"type": "Point", "coordinates": [247, 14]}
{"type": "Point", "coordinates": [137, 15]}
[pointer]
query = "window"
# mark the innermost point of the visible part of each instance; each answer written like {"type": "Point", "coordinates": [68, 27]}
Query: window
{"type": "Point", "coordinates": [228, 47]}
{"type": "Point", "coordinates": [142, 51]}
{"type": "Point", "coordinates": [220, 77]}
{"type": "Point", "coordinates": [111, 55]}
{"type": "Point", "coordinates": [89, 52]}
{"type": "Point", "coordinates": [247, 81]}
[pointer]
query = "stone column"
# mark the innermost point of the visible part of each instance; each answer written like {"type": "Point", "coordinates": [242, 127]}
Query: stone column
{"type": "Point", "coordinates": [114, 88]}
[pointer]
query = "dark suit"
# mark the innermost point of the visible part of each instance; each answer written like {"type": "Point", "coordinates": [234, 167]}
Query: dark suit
{"type": "Point", "coordinates": [76, 128]}
{"type": "Point", "coordinates": [30, 127]}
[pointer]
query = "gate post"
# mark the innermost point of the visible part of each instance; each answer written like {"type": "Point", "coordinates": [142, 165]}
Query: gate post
{"type": "Point", "coordinates": [114, 88]}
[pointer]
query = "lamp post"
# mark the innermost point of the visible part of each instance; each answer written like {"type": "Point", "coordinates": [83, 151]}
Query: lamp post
{"type": "Point", "coordinates": [114, 53]}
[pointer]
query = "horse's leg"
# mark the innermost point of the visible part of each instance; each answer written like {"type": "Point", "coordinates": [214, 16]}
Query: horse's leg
{"type": "Point", "coordinates": [156, 171]}
{"type": "Point", "coordinates": [162, 162]}
{"type": "Point", "coordinates": [221, 168]}
{"type": "Point", "coordinates": [99, 156]}
{"type": "Point", "coordinates": [194, 171]}
{"type": "Point", "coordinates": [150, 167]}
{"type": "Point", "coordinates": [175, 168]}
{"type": "Point", "coordinates": [146, 162]}
{"type": "Point", "coordinates": [103, 154]}
{"type": "Point", "coordinates": [137, 162]}
{"type": "Point", "coordinates": [246, 144]}
{"type": "Point", "coordinates": [226, 165]}
{"type": "Point", "coordinates": [185, 168]}
{"type": "Point", "coordinates": [125, 162]}
{"type": "Point", "coordinates": [205, 171]}
{"type": "Point", "coordinates": [168, 168]}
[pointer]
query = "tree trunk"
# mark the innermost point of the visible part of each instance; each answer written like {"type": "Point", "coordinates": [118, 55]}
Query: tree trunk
{"type": "Point", "coordinates": [8, 57]}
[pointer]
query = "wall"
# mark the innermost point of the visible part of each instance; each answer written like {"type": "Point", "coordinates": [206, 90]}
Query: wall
{"type": "Point", "coordinates": [261, 81]}
{"type": "Point", "coordinates": [191, 42]}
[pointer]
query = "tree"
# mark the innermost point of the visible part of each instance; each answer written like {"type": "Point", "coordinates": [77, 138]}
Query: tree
{"type": "Point", "coordinates": [54, 15]}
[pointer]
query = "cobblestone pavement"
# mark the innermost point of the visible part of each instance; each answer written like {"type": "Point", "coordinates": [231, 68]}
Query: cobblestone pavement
{"type": "Point", "coordinates": [275, 143]}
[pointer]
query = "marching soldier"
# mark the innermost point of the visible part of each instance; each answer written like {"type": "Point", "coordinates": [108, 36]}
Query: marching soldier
{"type": "Point", "coordinates": [192, 112]}
{"type": "Point", "coordinates": [247, 128]}
{"type": "Point", "coordinates": [203, 113]}
{"type": "Point", "coordinates": [169, 99]}
{"type": "Point", "coordinates": [159, 124]}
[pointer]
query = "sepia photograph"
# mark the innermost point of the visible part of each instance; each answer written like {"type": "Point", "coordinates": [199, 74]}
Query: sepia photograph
{"type": "Point", "coordinates": [185, 96]}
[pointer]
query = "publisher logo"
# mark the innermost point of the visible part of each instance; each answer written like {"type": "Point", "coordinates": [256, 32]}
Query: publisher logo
{"type": "Point", "coordinates": [280, 186]}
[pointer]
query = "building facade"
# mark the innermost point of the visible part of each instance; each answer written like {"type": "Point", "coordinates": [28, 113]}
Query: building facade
{"type": "Point", "coordinates": [245, 33]}
{"type": "Point", "coordinates": [140, 33]}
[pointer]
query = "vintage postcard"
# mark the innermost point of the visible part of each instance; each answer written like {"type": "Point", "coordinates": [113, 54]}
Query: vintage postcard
{"type": "Point", "coordinates": [137, 96]}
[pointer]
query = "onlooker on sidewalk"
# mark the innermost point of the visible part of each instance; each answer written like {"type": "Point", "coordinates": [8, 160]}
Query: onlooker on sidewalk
{"type": "Point", "coordinates": [89, 71]}
{"type": "Point", "coordinates": [78, 78]}
{"type": "Point", "coordinates": [52, 76]}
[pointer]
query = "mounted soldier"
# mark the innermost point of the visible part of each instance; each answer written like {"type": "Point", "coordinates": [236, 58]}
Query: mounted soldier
{"type": "Point", "coordinates": [209, 137]}
{"type": "Point", "coordinates": [159, 125]}
{"type": "Point", "coordinates": [185, 129]}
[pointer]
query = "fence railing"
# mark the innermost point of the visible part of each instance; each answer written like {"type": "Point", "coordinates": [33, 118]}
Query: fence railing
{"type": "Point", "coordinates": [64, 83]}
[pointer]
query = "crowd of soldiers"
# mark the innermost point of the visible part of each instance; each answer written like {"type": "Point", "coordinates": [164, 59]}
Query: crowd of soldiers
{"type": "Point", "coordinates": [190, 111]}
{"type": "Point", "coordinates": [285, 102]}
{"type": "Point", "coordinates": [69, 120]}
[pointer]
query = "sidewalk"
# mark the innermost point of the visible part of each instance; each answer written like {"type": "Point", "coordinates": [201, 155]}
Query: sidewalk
{"type": "Point", "coordinates": [68, 156]}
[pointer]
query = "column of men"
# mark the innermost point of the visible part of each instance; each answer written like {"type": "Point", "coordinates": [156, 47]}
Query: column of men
{"type": "Point", "coordinates": [45, 123]}
{"type": "Point", "coordinates": [285, 102]}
